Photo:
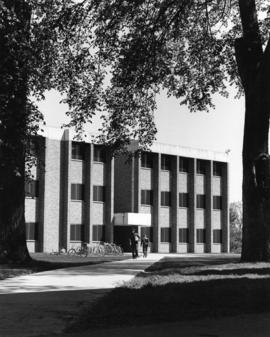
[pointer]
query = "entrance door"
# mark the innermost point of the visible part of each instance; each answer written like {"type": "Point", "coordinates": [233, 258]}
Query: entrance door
{"type": "Point", "coordinates": [121, 236]}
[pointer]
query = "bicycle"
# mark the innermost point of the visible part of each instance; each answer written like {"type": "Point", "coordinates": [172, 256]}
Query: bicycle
{"type": "Point", "coordinates": [81, 251]}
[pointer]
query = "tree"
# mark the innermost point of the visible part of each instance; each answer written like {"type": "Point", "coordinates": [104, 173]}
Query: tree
{"type": "Point", "coordinates": [116, 56]}
{"type": "Point", "coordinates": [236, 225]}
{"type": "Point", "coordinates": [34, 57]}
{"type": "Point", "coordinates": [192, 49]}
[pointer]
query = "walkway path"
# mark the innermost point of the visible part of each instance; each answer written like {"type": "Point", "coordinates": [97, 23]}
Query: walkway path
{"type": "Point", "coordinates": [42, 304]}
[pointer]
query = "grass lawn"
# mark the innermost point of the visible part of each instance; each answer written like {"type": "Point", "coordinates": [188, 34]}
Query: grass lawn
{"type": "Point", "coordinates": [171, 290]}
{"type": "Point", "coordinates": [43, 261]}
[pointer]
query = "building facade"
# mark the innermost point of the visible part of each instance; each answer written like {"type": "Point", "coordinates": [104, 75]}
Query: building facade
{"type": "Point", "coordinates": [184, 193]}
{"type": "Point", "coordinates": [79, 193]}
{"type": "Point", "coordinates": [70, 198]}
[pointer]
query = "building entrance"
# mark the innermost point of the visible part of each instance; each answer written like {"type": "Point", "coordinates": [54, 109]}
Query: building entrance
{"type": "Point", "coordinates": [122, 234]}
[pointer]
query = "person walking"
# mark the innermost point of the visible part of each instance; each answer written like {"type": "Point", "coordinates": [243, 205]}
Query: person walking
{"type": "Point", "coordinates": [134, 241]}
{"type": "Point", "coordinates": [145, 244]}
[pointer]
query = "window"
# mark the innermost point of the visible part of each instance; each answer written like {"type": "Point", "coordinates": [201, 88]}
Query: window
{"type": "Point", "coordinates": [183, 199]}
{"type": "Point", "coordinates": [183, 164]}
{"type": "Point", "coordinates": [165, 198]}
{"type": "Point", "coordinates": [98, 233]}
{"type": "Point", "coordinates": [76, 232]}
{"type": "Point", "coordinates": [147, 160]}
{"type": "Point", "coordinates": [200, 200]}
{"type": "Point", "coordinates": [99, 153]}
{"type": "Point", "coordinates": [201, 166]}
{"type": "Point", "coordinates": [217, 236]}
{"type": "Point", "coordinates": [217, 202]}
{"type": "Point", "coordinates": [77, 192]}
{"type": "Point", "coordinates": [201, 235]}
{"type": "Point", "coordinates": [78, 150]}
{"type": "Point", "coordinates": [183, 235]}
{"type": "Point", "coordinates": [165, 163]}
{"type": "Point", "coordinates": [165, 234]}
{"type": "Point", "coordinates": [31, 229]}
{"type": "Point", "coordinates": [148, 231]}
{"type": "Point", "coordinates": [32, 189]}
{"type": "Point", "coordinates": [99, 193]}
{"type": "Point", "coordinates": [146, 197]}
{"type": "Point", "coordinates": [217, 169]}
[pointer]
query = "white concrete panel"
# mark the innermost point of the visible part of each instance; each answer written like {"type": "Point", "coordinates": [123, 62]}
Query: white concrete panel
{"type": "Point", "coordinates": [200, 184]}
{"type": "Point", "coordinates": [98, 213]}
{"type": "Point", "coordinates": [200, 218]}
{"type": "Point", "coordinates": [31, 209]}
{"type": "Point", "coordinates": [217, 187]}
{"type": "Point", "coordinates": [165, 216]}
{"type": "Point", "coordinates": [76, 171]}
{"type": "Point", "coordinates": [183, 182]}
{"type": "Point", "coordinates": [217, 219]}
{"type": "Point", "coordinates": [76, 212]}
{"type": "Point", "coordinates": [165, 180]}
{"type": "Point", "coordinates": [98, 174]}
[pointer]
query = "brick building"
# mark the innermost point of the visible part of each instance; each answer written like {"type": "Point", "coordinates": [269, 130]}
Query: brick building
{"type": "Point", "coordinates": [178, 196]}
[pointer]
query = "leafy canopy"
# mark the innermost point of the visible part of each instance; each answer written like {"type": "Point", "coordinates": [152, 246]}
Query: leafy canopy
{"type": "Point", "coordinates": [114, 57]}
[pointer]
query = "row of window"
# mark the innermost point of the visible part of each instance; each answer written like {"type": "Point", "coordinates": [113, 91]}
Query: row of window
{"type": "Point", "coordinates": [166, 164]}
{"type": "Point", "coordinates": [77, 192]}
{"type": "Point", "coordinates": [147, 199]}
{"type": "Point", "coordinates": [78, 152]}
{"type": "Point", "coordinates": [165, 235]}
{"type": "Point", "coordinates": [77, 233]}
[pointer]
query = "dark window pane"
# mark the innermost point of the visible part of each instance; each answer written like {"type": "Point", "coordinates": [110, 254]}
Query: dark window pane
{"type": "Point", "coordinates": [76, 232]}
{"type": "Point", "coordinates": [165, 198]}
{"type": "Point", "coordinates": [217, 202]}
{"type": "Point", "coordinates": [201, 235]}
{"type": "Point", "coordinates": [146, 197]}
{"type": "Point", "coordinates": [217, 236]}
{"type": "Point", "coordinates": [77, 192]}
{"type": "Point", "coordinates": [31, 229]}
{"type": "Point", "coordinates": [183, 235]}
{"type": "Point", "coordinates": [32, 189]}
{"type": "Point", "coordinates": [183, 164]}
{"type": "Point", "coordinates": [78, 150]}
{"type": "Point", "coordinates": [147, 160]}
{"type": "Point", "coordinates": [201, 166]}
{"type": "Point", "coordinates": [99, 153]}
{"type": "Point", "coordinates": [217, 169]}
{"type": "Point", "coordinates": [98, 233]}
{"type": "Point", "coordinates": [99, 193]}
{"type": "Point", "coordinates": [165, 234]}
{"type": "Point", "coordinates": [165, 162]}
{"type": "Point", "coordinates": [200, 200]}
{"type": "Point", "coordinates": [183, 199]}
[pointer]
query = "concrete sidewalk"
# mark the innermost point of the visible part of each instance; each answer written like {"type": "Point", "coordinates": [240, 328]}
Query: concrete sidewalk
{"type": "Point", "coordinates": [42, 304]}
{"type": "Point", "coordinates": [98, 276]}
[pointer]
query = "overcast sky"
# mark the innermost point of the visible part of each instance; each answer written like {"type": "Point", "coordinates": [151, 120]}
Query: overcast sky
{"type": "Point", "coordinates": [219, 130]}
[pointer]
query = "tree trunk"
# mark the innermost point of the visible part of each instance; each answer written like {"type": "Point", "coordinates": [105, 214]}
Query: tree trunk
{"type": "Point", "coordinates": [256, 168]}
{"type": "Point", "coordinates": [14, 38]}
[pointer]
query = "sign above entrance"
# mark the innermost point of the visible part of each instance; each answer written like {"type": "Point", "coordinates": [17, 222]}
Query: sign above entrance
{"type": "Point", "coordinates": [131, 219]}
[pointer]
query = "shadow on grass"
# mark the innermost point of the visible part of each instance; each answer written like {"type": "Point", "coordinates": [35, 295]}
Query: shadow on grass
{"type": "Point", "coordinates": [177, 302]}
{"type": "Point", "coordinates": [186, 300]}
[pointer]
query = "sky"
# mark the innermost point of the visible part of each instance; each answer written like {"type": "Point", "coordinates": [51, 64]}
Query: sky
{"type": "Point", "coordinates": [220, 129]}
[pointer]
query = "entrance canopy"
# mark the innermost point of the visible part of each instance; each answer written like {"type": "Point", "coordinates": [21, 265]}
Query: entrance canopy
{"type": "Point", "coordinates": [132, 219]}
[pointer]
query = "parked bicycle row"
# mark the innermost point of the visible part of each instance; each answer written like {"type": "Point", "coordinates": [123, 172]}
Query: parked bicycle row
{"type": "Point", "coordinates": [92, 249]}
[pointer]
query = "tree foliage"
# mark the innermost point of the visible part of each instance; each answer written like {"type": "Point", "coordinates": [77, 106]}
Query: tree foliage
{"type": "Point", "coordinates": [236, 225]}
{"type": "Point", "coordinates": [114, 57]}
